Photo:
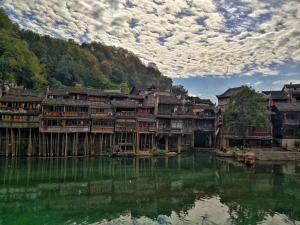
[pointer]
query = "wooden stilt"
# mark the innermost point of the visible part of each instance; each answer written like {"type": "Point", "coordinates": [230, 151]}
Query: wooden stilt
{"type": "Point", "coordinates": [85, 147]}
{"type": "Point", "coordinates": [12, 143]}
{"type": "Point", "coordinates": [110, 142]}
{"type": "Point", "coordinates": [179, 143]}
{"type": "Point", "coordinates": [58, 145]}
{"type": "Point", "coordinates": [51, 145]}
{"type": "Point", "coordinates": [19, 143]}
{"type": "Point", "coordinates": [66, 145]}
{"type": "Point", "coordinates": [73, 144]}
{"type": "Point", "coordinates": [137, 143]}
{"type": "Point", "coordinates": [40, 144]}
{"type": "Point", "coordinates": [152, 141]}
{"type": "Point", "coordinates": [101, 142]}
{"type": "Point", "coordinates": [1, 141]}
{"type": "Point", "coordinates": [76, 145]}
{"type": "Point", "coordinates": [6, 142]}
{"type": "Point", "coordinates": [167, 143]}
{"type": "Point", "coordinates": [29, 149]}
{"type": "Point", "coordinates": [44, 152]}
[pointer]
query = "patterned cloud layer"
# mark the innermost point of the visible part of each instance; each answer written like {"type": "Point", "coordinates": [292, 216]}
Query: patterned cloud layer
{"type": "Point", "coordinates": [183, 37]}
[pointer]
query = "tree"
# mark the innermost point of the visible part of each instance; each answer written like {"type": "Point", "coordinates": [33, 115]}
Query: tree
{"type": "Point", "coordinates": [18, 64]}
{"type": "Point", "coordinates": [179, 90]}
{"type": "Point", "coordinates": [246, 108]}
{"type": "Point", "coordinates": [106, 67]}
{"type": "Point", "coordinates": [5, 22]}
{"type": "Point", "coordinates": [124, 88]}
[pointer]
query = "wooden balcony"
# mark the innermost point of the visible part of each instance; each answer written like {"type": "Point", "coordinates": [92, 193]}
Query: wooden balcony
{"type": "Point", "coordinates": [65, 129]}
{"type": "Point", "coordinates": [19, 111]}
{"type": "Point", "coordinates": [125, 114]}
{"type": "Point", "coordinates": [163, 129]}
{"type": "Point", "coordinates": [122, 128]}
{"type": "Point", "coordinates": [252, 132]}
{"type": "Point", "coordinates": [187, 130]}
{"type": "Point", "coordinates": [205, 127]}
{"type": "Point", "coordinates": [206, 117]}
{"type": "Point", "coordinates": [291, 121]}
{"type": "Point", "coordinates": [106, 130]}
{"type": "Point", "coordinates": [101, 115]}
{"type": "Point", "coordinates": [19, 124]}
{"type": "Point", "coordinates": [66, 114]}
{"type": "Point", "coordinates": [149, 129]}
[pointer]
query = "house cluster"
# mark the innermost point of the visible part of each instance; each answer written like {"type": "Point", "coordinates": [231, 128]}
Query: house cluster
{"type": "Point", "coordinates": [285, 107]}
{"type": "Point", "coordinates": [85, 121]}
{"type": "Point", "coordinates": [78, 121]}
{"type": "Point", "coordinates": [283, 129]}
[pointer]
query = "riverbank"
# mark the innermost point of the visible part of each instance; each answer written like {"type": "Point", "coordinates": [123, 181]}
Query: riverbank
{"type": "Point", "coordinates": [267, 154]}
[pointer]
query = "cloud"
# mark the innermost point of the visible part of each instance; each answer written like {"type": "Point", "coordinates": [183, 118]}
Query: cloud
{"type": "Point", "coordinates": [282, 82]}
{"type": "Point", "coordinates": [183, 37]}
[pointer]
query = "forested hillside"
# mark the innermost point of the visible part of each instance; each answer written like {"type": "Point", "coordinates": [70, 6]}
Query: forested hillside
{"type": "Point", "coordinates": [32, 60]}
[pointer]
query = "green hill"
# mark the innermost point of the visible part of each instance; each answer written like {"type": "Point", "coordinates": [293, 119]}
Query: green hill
{"type": "Point", "coordinates": [34, 61]}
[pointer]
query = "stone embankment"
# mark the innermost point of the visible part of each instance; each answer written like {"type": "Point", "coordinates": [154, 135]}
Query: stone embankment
{"type": "Point", "coordinates": [277, 155]}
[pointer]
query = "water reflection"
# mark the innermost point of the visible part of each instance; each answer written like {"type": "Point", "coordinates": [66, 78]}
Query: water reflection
{"type": "Point", "coordinates": [192, 189]}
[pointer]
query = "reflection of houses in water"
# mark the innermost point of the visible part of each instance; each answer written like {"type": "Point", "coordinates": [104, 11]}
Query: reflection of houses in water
{"type": "Point", "coordinates": [146, 186]}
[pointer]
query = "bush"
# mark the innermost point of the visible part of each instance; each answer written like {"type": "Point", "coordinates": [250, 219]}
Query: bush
{"type": "Point", "coordinates": [158, 152]}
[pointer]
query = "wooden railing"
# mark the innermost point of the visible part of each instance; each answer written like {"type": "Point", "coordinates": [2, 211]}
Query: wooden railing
{"type": "Point", "coordinates": [292, 121]}
{"type": "Point", "coordinates": [66, 114]}
{"type": "Point", "coordinates": [19, 111]}
{"type": "Point", "coordinates": [65, 129]}
{"type": "Point", "coordinates": [146, 129]}
{"type": "Point", "coordinates": [119, 128]}
{"type": "Point", "coordinates": [101, 115]}
{"type": "Point", "coordinates": [175, 130]}
{"type": "Point", "coordinates": [125, 113]}
{"type": "Point", "coordinates": [250, 132]}
{"type": "Point", "coordinates": [101, 129]}
{"type": "Point", "coordinates": [19, 124]}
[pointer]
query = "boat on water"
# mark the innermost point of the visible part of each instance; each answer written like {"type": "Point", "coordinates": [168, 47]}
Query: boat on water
{"type": "Point", "coordinates": [250, 158]}
{"type": "Point", "coordinates": [224, 154]}
{"type": "Point", "coordinates": [240, 157]}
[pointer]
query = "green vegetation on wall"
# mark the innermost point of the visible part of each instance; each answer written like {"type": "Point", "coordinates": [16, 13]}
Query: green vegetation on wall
{"type": "Point", "coordinates": [246, 108]}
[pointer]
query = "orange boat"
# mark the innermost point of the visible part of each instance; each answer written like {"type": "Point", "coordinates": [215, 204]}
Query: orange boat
{"type": "Point", "coordinates": [249, 158]}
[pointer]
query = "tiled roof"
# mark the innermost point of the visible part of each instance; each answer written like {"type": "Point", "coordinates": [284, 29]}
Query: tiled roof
{"type": "Point", "coordinates": [24, 92]}
{"type": "Point", "coordinates": [291, 86]}
{"type": "Point", "coordinates": [137, 97]}
{"type": "Point", "coordinates": [124, 104]}
{"type": "Point", "coordinates": [100, 105]}
{"type": "Point", "coordinates": [171, 100]}
{"type": "Point", "coordinates": [68, 102]}
{"type": "Point", "coordinates": [86, 91]}
{"type": "Point", "coordinates": [276, 94]}
{"type": "Point", "coordinates": [230, 92]}
{"type": "Point", "coordinates": [198, 100]}
{"type": "Point", "coordinates": [13, 98]}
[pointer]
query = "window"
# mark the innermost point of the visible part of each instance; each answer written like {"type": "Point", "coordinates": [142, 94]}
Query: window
{"type": "Point", "coordinates": [177, 124]}
{"type": "Point", "coordinates": [53, 122]}
{"type": "Point", "coordinates": [58, 108]}
{"type": "Point", "coordinates": [289, 132]}
{"type": "Point", "coordinates": [291, 116]}
{"type": "Point", "coordinates": [103, 123]}
{"type": "Point", "coordinates": [97, 110]}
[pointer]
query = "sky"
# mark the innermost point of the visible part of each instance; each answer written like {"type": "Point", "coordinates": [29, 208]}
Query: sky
{"type": "Point", "coordinates": [206, 45]}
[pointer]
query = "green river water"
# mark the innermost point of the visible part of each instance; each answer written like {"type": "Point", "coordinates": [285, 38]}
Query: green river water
{"type": "Point", "coordinates": [187, 189]}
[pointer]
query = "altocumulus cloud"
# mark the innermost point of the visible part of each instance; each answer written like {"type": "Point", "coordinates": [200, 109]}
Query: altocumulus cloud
{"type": "Point", "coordinates": [183, 37]}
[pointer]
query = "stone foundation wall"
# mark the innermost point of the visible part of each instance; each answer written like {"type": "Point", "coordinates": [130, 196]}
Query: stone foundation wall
{"type": "Point", "coordinates": [288, 144]}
